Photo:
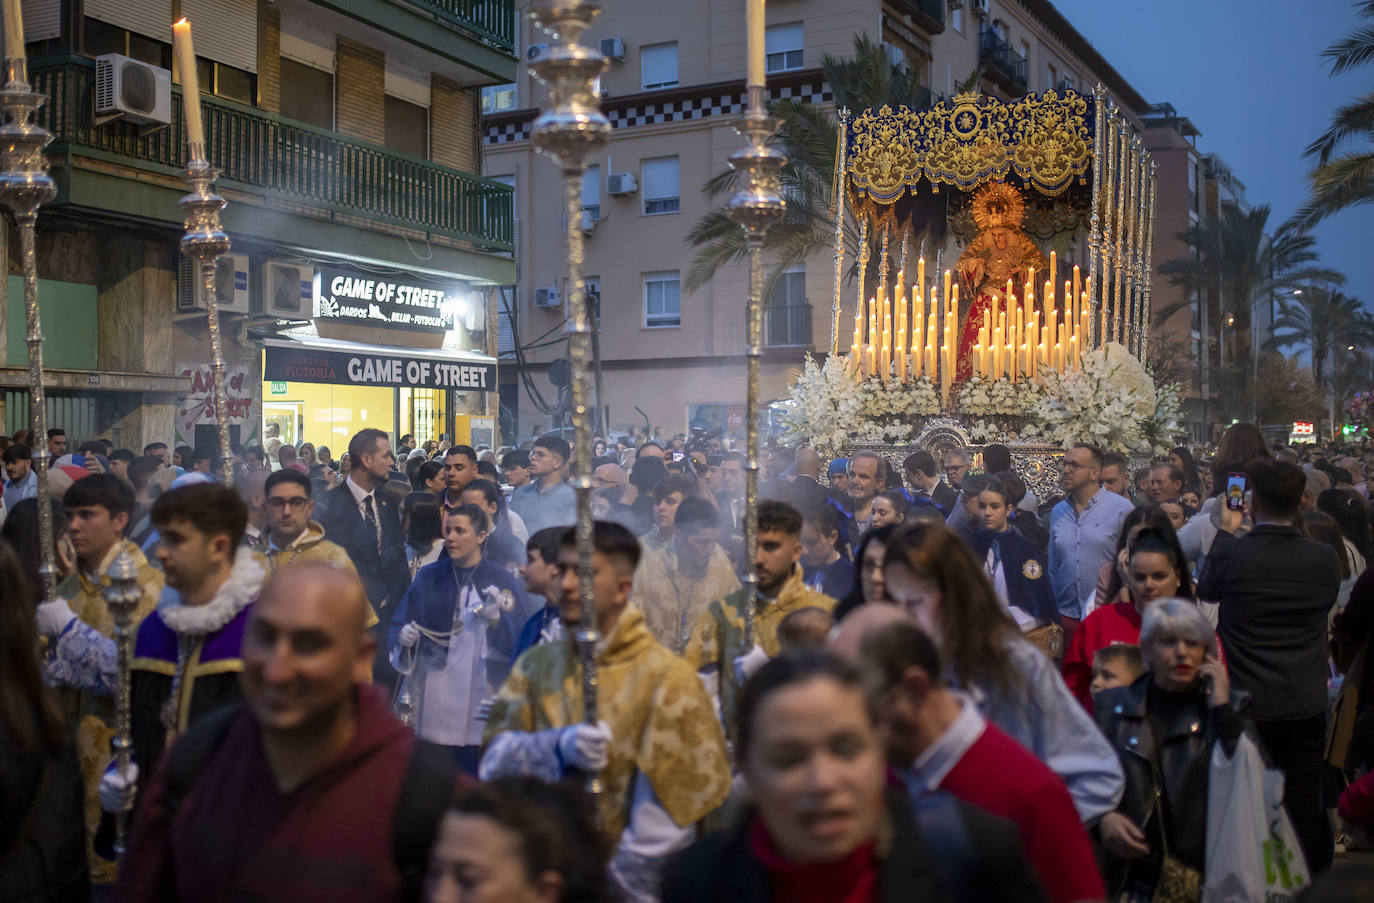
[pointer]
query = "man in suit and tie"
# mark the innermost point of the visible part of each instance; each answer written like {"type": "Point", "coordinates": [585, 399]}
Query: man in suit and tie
{"type": "Point", "coordinates": [363, 518]}
{"type": "Point", "coordinates": [805, 492]}
{"type": "Point", "coordinates": [924, 476]}
{"type": "Point", "coordinates": [730, 500]}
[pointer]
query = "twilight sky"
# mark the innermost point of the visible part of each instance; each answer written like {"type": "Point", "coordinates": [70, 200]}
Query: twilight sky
{"type": "Point", "coordinates": [1248, 73]}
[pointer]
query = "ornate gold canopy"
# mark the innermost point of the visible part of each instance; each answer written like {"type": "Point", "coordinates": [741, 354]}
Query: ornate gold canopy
{"type": "Point", "coordinates": [1045, 140]}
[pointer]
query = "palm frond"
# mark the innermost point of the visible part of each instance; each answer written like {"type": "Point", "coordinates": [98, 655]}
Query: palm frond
{"type": "Point", "coordinates": [1349, 121]}
{"type": "Point", "coordinates": [1345, 182]}
{"type": "Point", "coordinates": [1352, 51]}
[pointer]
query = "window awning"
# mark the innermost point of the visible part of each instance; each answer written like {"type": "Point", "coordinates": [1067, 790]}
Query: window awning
{"type": "Point", "coordinates": [316, 360]}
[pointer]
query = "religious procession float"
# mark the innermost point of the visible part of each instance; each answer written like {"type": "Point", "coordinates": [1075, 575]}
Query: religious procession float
{"type": "Point", "coordinates": [1036, 334]}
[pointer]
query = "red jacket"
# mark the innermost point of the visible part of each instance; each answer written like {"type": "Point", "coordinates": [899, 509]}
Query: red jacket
{"type": "Point", "coordinates": [236, 836]}
{"type": "Point", "coordinates": [999, 775]}
{"type": "Point", "coordinates": [1115, 623]}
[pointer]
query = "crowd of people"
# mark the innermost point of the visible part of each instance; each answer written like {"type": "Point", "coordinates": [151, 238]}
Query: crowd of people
{"type": "Point", "coordinates": [357, 679]}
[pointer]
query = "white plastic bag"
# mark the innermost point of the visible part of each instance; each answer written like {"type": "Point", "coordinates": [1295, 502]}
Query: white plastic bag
{"type": "Point", "coordinates": [1253, 854]}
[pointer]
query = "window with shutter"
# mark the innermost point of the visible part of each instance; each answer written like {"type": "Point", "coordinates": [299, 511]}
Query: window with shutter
{"type": "Point", "coordinates": [782, 46]}
{"type": "Point", "coordinates": [662, 301]}
{"type": "Point", "coordinates": [659, 180]}
{"type": "Point", "coordinates": [152, 18]}
{"type": "Point", "coordinates": [591, 191]}
{"type": "Point", "coordinates": [307, 94]}
{"type": "Point", "coordinates": [407, 127]}
{"type": "Point", "coordinates": [658, 65]}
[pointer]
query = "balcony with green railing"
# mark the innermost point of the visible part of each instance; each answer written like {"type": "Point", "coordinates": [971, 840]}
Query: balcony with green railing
{"type": "Point", "coordinates": [491, 20]}
{"type": "Point", "coordinates": [297, 164]}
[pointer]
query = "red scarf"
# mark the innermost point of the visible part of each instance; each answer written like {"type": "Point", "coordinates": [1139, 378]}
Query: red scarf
{"type": "Point", "coordinates": [854, 879]}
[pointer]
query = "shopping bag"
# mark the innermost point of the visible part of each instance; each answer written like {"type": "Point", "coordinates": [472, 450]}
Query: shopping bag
{"type": "Point", "coordinates": [1253, 854]}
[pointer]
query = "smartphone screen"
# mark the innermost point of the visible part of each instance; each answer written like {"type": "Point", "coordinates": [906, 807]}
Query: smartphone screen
{"type": "Point", "coordinates": [1235, 491]}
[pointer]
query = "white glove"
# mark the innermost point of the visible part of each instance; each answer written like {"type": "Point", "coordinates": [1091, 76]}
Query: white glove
{"type": "Point", "coordinates": [410, 634]}
{"type": "Point", "coordinates": [116, 790]}
{"type": "Point", "coordinates": [496, 601]}
{"type": "Point", "coordinates": [585, 747]}
{"type": "Point", "coordinates": [54, 616]}
{"type": "Point", "coordinates": [750, 662]}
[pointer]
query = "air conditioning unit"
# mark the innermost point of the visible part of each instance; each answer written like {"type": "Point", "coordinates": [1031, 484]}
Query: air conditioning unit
{"type": "Point", "coordinates": [231, 285]}
{"type": "Point", "coordinates": [288, 290]}
{"type": "Point", "coordinates": [613, 48]}
{"type": "Point", "coordinates": [535, 51]}
{"type": "Point", "coordinates": [980, 8]}
{"type": "Point", "coordinates": [546, 297]}
{"type": "Point", "coordinates": [895, 56]}
{"type": "Point", "coordinates": [132, 90]}
{"type": "Point", "coordinates": [621, 183]}
{"type": "Point", "coordinates": [589, 220]}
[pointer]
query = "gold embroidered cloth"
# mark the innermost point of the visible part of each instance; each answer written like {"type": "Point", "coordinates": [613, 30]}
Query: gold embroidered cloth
{"type": "Point", "coordinates": [718, 637]}
{"type": "Point", "coordinates": [1043, 139]}
{"type": "Point", "coordinates": [660, 717]}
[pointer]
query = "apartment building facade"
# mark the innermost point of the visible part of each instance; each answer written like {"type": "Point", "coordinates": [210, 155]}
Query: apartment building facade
{"type": "Point", "coordinates": [675, 83]}
{"type": "Point", "coordinates": [364, 240]}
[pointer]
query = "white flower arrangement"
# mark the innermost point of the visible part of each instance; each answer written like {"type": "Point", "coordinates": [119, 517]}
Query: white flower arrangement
{"type": "Point", "coordinates": [998, 398]}
{"type": "Point", "coordinates": [829, 408]}
{"type": "Point", "coordinates": [1107, 401]}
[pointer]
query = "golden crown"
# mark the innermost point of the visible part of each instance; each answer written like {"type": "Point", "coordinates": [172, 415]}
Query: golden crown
{"type": "Point", "coordinates": [998, 204]}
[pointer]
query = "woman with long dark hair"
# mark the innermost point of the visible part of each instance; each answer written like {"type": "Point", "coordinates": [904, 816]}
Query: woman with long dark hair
{"type": "Point", "coordinates": [932, 574]}
{"type": "Point", "coordinates": [1155, 569]}
{"type": "Point", "coordinates": [1182, 458]}
{"type": "Point", "coordinates": [423, 524]}
{"type": "Point", "coordinates": [1353, 517]}
{"type": "Point", "coordinates": [42, 827]}
{"type": "Point", "coordinates": [868, 572]}
{"type": "Point", "coordinates": [1112, 578]}
{"type": "Point", "coordinates": [21, 532]}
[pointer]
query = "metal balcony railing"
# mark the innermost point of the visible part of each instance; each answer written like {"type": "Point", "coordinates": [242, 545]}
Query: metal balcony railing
{"type": "Point", "coordinates": [1001, 58]}
{"type": "Point", "coordinates": [491, 20]}
{"type": "Point", "coordinates": [787, 325]}
{"type": "Point", "coordinates": [928, 15]}
{"type": "Point", "coordinates": [261, 153]}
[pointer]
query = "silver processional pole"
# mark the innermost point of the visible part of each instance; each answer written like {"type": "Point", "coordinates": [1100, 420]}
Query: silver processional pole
{"type": "Point", "coordinates": [571, 126]}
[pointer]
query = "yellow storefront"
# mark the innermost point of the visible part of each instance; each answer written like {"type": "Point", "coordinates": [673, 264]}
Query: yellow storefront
{"type": "Point", "coordinates": [323, 391]}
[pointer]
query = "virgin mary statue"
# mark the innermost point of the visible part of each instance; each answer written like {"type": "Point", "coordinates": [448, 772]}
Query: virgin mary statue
{"type": "Point", "coordinates": [1000, 251]}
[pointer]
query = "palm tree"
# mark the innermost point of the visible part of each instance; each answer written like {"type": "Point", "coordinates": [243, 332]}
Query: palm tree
{"type": "Point", "coordinates": [807, 136]}
{"type": "Point", "coordinates": [1329, 325]}
{"type": "Point", "coordinates": [1235, 260]}
{"type": "Point", "coordinates": [1346, 180]}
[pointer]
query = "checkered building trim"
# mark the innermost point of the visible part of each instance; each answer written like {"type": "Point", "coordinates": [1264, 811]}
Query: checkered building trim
{"type": "Point", "coordinates": [729, 103]}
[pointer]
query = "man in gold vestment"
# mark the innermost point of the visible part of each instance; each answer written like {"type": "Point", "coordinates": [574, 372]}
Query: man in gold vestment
{"type": "Point", "coordinates": [658, 747]}
{"type": "Point", "coordinates": [81, 662]}
{"type": "Point", "coordinates": [716, 649]}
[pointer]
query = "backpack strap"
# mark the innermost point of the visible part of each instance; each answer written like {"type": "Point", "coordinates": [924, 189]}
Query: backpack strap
{"type": "Point", "coordinates": [426, 791]}
{"type": "Point", "coordinates": [189, 752]}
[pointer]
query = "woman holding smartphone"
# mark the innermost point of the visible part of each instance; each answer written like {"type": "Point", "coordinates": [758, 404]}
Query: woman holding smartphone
{"type": "Point", "coordinates": [1164, 727]}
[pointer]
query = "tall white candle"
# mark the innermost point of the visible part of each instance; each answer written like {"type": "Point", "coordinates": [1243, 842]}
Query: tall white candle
{"type": "Point", "coordinates": [14, 30]}
{"type": "Point", "coordinates": [190, 87]}
{"type": "Point", "coordinates": [754, 29]}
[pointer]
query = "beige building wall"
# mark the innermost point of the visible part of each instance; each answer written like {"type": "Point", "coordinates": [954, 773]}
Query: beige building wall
{"type": "Point", "coordinates": [663, 370]}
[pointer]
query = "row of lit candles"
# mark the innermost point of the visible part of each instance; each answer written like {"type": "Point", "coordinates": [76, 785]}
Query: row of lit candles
{"type": "Point", "coordinates": [894, 335]}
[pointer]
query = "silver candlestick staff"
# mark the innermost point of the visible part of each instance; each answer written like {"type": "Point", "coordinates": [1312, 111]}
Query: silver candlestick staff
{"type": "Point", "coordinates": [122, 597]}
{"type": "Point", "coordinates": [757, 205]}
{"type": "Point", "coordinates": [570, 126]}
{"type": "Point", "coordinates": [24, 187]}
{"type": "Point", "coordinates": [205, 242]}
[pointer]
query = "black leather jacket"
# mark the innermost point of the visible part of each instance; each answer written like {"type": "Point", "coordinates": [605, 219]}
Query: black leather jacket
{"type": "Point", "coordinates": [1173, 768]}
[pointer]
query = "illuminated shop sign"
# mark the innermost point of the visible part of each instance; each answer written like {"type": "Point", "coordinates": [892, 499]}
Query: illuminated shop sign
{"type": "Point", "coordinates": [394, 301]}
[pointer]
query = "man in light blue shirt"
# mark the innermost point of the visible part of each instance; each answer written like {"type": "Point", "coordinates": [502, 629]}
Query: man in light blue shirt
{"type": "Point", "coordinates": [1083, 531]}
{"type": "Point", "coordinates": [546, 501]}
